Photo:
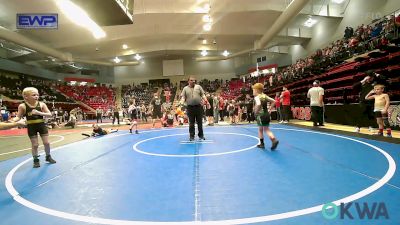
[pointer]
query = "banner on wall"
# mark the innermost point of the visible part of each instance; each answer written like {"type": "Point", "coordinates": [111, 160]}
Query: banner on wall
{"type": "Point", "coordinates": [301, 113]}
{"type": "Point", "coordinates": [394, 115]}
{"type": "Point", "coordinates": [304, 113]}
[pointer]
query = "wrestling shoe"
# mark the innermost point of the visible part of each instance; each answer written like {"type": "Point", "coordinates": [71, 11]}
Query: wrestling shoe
{"type": "Point", "coordinates": [274, 145]}
{"type": "Point", "coordinates": [261, 146]}
{"type": "Point", "coordinates": [50, 160]}
{"type": "Point", "coordinates": [36, 163]}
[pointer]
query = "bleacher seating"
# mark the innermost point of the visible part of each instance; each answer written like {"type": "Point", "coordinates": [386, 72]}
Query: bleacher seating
{"type": "Point", "coordinates": [96, 97]}
{"type": "Point", "coordinates": [233, 89]}
{"type": "Point", "coordinates": [11, 85]}
{"type": "Point", "coordinates": [140, 93]}
{"type": "Point", "coordinates": [338, 81]}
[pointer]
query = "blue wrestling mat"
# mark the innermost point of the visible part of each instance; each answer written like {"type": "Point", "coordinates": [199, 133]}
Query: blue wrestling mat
{"type": "Point", "coordinates": [159, 177]}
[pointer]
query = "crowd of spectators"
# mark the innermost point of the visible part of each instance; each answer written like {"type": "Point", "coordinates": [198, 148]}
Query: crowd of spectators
{"type": "Point", "coordinates": [377, 35]}
{"type": "Point", "coordinates": [142, 94]}
{"type": "Point", "coordinates": [211, 85]}
{"type": "Point", "coordinates": [382, 35]}
{"type": "Point", "coordinates": [94, 96]}
{"type": "Point", "coordinates": [12, 86]}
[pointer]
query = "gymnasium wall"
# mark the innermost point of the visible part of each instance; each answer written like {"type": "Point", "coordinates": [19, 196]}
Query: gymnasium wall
{"type": "Point", "coordinates": [330, 29]}
{"type": "Point", "coordinates": [152, 69]}
{"type": "Point", "coordinates": [105, 76]}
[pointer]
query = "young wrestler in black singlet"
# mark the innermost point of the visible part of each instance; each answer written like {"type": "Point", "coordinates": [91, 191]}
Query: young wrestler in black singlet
{"type": "Point", "coordinates": [35, 112]}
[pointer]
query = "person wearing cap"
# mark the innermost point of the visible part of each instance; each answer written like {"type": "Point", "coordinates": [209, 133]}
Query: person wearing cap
{"type": "Point", "coordinates": [262, 115]}
{"type": "Point", "coordinates": [316, 96]}
{"type": "Point", "coordinates": [192, 95]}
{"type": "Point", "coordinates": [365, 106]}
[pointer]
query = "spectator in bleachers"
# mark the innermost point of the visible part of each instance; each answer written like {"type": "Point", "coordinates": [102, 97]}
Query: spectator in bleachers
{"type": "Point", "coordinates": [348, 32]}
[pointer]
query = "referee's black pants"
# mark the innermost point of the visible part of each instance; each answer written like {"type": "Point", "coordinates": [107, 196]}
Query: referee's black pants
{"type": "Point", "coordinates": [195, 114]}
{"type": "Point", "coordinates": [317, 115]}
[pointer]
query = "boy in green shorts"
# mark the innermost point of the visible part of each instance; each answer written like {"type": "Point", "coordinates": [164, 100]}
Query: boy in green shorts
{"type": "Point", "coordinates": [262, 115]}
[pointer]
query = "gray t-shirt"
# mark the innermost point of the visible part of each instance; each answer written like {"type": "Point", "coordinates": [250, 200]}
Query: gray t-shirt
{"type": "Point", "coordinates": [314, 94]}
{"type": "Point", "coordinates": [193, 95]}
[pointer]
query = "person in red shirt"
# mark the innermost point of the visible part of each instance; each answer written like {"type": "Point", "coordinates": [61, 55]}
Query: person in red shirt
{"type": "Point", "coordinates": [221, 105]}
{"type": "Point", "coordinates": [285, 97]}
{"type": "Point", "coordinates": [278, 107]}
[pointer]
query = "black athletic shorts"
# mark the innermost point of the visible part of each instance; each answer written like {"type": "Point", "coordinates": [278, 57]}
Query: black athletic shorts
{"type": "Point", "coordinates": [35, 128]}
{"type": "Point", "coordinates": [134, 116]}
{"type": "Point", "coordinates": [379, 114]}
{"type": "Point", "coordinates": [209, 112]}
{"type": "Point", "coordinates": [157, 114]}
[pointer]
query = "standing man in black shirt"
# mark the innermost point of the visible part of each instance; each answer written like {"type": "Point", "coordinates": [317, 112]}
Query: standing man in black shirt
{"type": "Point", "coordinates": [249, 102]}
{"type": "Point", "coordinates": [156, 108]}
{"type": "Point", "coordinates": [99, 115]}
{"type": "Point", "coordinates": [115, 114]}
{"type": "Point", "coordinates": [365, 106]}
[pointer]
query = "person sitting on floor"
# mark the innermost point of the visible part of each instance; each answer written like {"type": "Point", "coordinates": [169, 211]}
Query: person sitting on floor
{"type": "Point", "coordinates": [167, 120]}
{"type": "Point", "coordinates": [71, 122]}
{"type": "Point", "coordinates": [98, 131]}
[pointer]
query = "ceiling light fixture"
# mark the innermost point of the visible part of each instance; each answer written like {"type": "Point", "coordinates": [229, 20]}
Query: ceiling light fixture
{"type": "Point", "coordinates": [124, 46]}
{"type": "Point", "coordinates": [138, 57]}
{"type": "Point", "coordinates": [80, 17]}
{"type": "Point", "coordinates": [207, 18]}
{"type": "Point", "coordinates": [204, 53]}
{"type": "Point", "coordinates": [204, 42]}
{"type": "Point", "coordinates": [117, 60]}
{"type": "Point", "coordinates": [225, 53]}
{"type": "Point", "coordinates": [207, 27]}
{"type": "Point", "coordinates": [338, 1]}
{"type": "Point", "coordinates": [207, 8]}
{"type": "Point", "coordinates": [310, 22]}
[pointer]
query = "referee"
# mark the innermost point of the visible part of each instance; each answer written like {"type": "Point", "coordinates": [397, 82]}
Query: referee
{"type": "Point", "coordinates": [192, 95]}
